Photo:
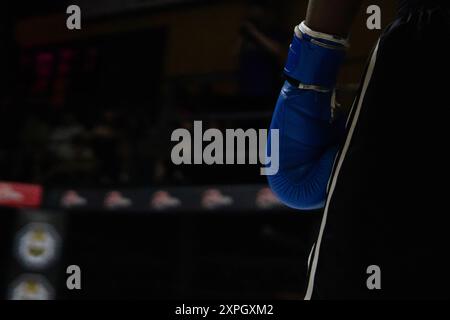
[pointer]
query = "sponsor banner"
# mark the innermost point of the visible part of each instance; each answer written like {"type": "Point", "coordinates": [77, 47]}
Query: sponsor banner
{"type": "Point", "coordinates": [205, 198]}
{"type": "Point", "coordinates": [20, 195]}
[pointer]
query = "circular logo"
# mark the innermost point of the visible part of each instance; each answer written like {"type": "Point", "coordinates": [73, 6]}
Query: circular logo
{"type": "Point", "coordinates": [37, 245]}
{"type": "Point", "coordinates": [31, 287]}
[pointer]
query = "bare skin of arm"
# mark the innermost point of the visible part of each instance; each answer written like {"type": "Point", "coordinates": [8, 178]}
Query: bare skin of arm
{"type": "Point", "coordinates": [332, 16]}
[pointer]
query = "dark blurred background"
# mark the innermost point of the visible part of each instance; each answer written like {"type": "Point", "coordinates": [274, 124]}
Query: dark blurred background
{"type": "Point", "coordinates": [85, 123]}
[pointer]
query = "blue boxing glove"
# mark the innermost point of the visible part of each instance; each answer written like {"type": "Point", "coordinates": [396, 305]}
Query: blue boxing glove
{"type": "Point", "coordinates": [309, 130]}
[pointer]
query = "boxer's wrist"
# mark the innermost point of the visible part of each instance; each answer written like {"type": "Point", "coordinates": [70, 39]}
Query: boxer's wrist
{"type": "Point", "coordinates": [334, 40]}
{"type": "Point", "coordinates": [314, 59]}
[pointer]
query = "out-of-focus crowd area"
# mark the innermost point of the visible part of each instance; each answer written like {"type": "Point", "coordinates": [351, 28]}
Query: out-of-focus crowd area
{"type": "Point", "coordinates": [97, 106]}
{"type": "Point", "coordinates": [100, 110]}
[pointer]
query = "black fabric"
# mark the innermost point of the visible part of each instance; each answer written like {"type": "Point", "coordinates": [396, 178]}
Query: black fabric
{"type": "Point", "coordinates": [389, 207]}
{"type": "Point", "coordinates": [410, 5]}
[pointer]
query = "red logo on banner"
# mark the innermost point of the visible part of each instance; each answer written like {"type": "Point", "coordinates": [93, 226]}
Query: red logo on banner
{"type": "Point", "coordinates": [20, 195]}
{"type": "Point", "coordinates": [115, 199]}
{"type": "Point", "coordinates": [72, 199]}
{"type": "Point", "coordinates": [266, 199]}
{"type": "Point", "coordinates": [163, 200]}
{"type": "Point", "coordinates": [213, 198]}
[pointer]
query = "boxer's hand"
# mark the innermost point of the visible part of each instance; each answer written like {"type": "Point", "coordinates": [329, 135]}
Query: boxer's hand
{"type": "Point", "coordinates": [309, 136]}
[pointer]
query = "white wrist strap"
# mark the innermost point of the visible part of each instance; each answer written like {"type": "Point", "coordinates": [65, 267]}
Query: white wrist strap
{"type": "Point", "coordinates": [324, 36]}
